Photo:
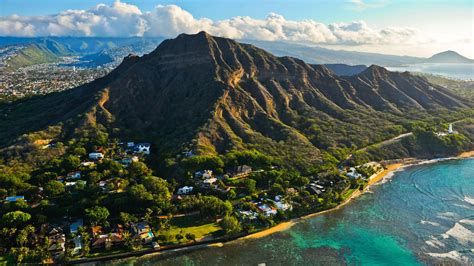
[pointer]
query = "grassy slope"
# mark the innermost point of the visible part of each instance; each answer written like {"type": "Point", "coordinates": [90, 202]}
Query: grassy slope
{"type": "Point", "coordinates": [32, 55]}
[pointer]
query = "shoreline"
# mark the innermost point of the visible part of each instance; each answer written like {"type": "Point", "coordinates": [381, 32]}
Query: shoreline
{"type": "Point", "coordinates": [283, 226]}
{"type": "Point", "coordinates": [390, 168]}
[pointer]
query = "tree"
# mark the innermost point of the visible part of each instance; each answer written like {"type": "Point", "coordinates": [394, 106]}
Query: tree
{"type": "Point", "coordinates": [23, 235]}
{"type": "Point", "coordinates": [211, 206]}
{"type": "Point", "coordinates": [159, 188]}
{"type": "Point", "coordinates": [127, 218]}
{"type": "Point", "coordinates": [191, 237]}
{"type": "Point", "coordinates": [300, 181]}
{"type": "Point", "coordinates": [138, 169]}
{"type": "Point", "coordinates": [179, 237]}
{"type": "Point", "coordinates": [230, 224]}
{"type": "Point", "coordinates": [15, 219]}
{"type": "Point", "coordinates": [54, 188]}
{"type": "Point", "coordinates": [276, 189]}
{"type": "Point", "coordinates": [250, 185]}
{"type": "Point", "coordinates": [70, 163]}
{"type": "Point", "coordinates": [20, 253]}
{"type": "Point", "coordinates": [80, 151]}
{"type": "Point", "coordinates": [140, 193]}
{"type": "Point", "coordinates": [97, 214]}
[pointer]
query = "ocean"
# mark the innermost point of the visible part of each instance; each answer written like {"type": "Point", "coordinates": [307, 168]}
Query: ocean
{"type": "Point", "coordinates": [457, 71]}
{"type": "Point", "coordinates": [421, 215]}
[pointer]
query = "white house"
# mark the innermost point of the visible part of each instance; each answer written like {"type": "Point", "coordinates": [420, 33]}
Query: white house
{"type": "Point", "coordinates": [267, 210]}
{"type": "Point", "coordinates": [209, 181]}
{"type": "Point", "coordinates": [143, 148]}
{"type": "Point", "coordinates": [74, 175]}
{"type": "Point", "coordinates": [205, 174]}
{"type": "Point", "coordinates": [352, 173]}
{"type": "Point", "coordinates": [96, 156]}
{"type": "Point", "coordinates": [184, 190]}
{"type": "Point", "coordinates": [450, 129]}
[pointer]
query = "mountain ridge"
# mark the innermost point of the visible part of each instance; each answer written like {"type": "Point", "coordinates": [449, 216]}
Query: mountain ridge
{"type": "Point", "coordinates": [213, 94]}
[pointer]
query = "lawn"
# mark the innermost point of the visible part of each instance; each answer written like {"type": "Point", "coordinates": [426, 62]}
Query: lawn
{"type": "Point", "coordinates": [199, 231]}
{"type": "Point", "coordinates": [185, 225]}
{"type": "Point", "coordinates": [348, 193]}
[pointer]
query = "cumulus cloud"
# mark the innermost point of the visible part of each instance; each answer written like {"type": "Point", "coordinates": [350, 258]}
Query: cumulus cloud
{"type": "Point", "coordinates": [121, 19]}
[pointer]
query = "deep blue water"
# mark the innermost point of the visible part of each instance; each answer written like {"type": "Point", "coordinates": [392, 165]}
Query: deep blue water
{"type": "Point", "coordinates": [421, 215]}
{"type": "Point", "coordinates": [458, 71]}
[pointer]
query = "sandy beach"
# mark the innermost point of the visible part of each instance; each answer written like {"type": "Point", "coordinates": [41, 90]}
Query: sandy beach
{"type": "Point", "coordinates": [287, 225]}
{"type": "Point", "coordinates": [466, 154]}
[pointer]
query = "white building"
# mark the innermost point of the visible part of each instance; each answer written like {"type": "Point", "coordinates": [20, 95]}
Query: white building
{"type": "Point", "coordinates": [184, 190]}
{"type": "Point", "coordinates": [96, 156]}
{"type": "Point", "coordinates": [205, 174]}
{"type": "Point", "coordinates": [352, 173]}
{"type": "Point", "coordinates": [143, 148]}
{"type": "Point", "coordinates": [450, 129]}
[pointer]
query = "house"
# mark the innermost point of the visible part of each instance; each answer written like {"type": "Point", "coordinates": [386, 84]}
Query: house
{"type": "Point", "coordinates": [131, 144]}
{"type": "Point", "coordinates": [250, 215]}
{"type": "Point", "coordinates": [87, 164]}
{"type": "Point", "coordinates": [107, 240]}
{"type": "Point", "coordinates": [129, 160]}
{"type": "Point", "coordinates": [267, 210]}
{"type": "Point", "coordinates": [352, 173]}
{"type": "Point", "coordinates": [74, 227]}
{"type": "Point", "coordinates": [315, 189]}
{"type": "Point", "coordinates": [74, 175]}
{"type": "Point", "coordinates": [184, 190]}
{"type": "Point", "coordinates": [96, 230]}
{"type": "Point", "coordinates": [77, 244]}
{"type": "Point", "coordinates": [204, 174]}
{"type": "Point", "coordinates": [57, 241]}
{"type": "Point", "coordinates": [143, 231]}
{"type": "Point", "coordinates": [96, 156]}
{"type": "Point", "coordinates": [188, 154]}
{"type": "Point", "coordinates": [72, 184]}
{"type": "Point", "coordinates": [209, 182]}
{"type": "Point", "coordinates": [242, 170]}
{"type": "Point", "coordinates": [450, 129]}
{"type": "Point", "coordinates": [143, 148]}
{"type": "Point", "coordinates": [14, 198]}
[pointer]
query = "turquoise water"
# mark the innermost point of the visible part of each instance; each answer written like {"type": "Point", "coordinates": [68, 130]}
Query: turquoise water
{"type": "Point", "coordinates": [422, 215]}
{"type": "Point", "coordinates": [458, 71]}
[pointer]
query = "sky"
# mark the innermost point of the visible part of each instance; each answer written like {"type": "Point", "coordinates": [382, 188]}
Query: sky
{"type": "Point", "coordinates": [402, 27]}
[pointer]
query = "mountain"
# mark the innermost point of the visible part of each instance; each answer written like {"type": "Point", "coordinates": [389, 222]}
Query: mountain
{"type": "Point", "coordinates": [345, 70]}
{"type": "Point", "coordinates": [214, 94]}
{"type": "Point", "coordinates": [116, 54]}
{"type": "Point", "coordinates": [44, 51]}
{"type": "Point", "coordinates": [449, 57]}
{"type": "Point", "coordinates": [320, 55]}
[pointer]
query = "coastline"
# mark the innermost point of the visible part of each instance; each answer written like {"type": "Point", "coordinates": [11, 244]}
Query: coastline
{"type": "Point", "coordinates": [287, 225]}
{"type": "Point", "coordinates": [389, 168]}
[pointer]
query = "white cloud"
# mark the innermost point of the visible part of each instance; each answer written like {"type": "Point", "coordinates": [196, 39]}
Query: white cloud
{"type": "Point", "coordinates": [121, 19]}
{"type": "Point", "coordinates": [364, 4]}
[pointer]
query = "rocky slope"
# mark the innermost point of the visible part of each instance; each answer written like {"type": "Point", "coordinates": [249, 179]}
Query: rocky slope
{"type": "Point", "coordinates": [213, 94]}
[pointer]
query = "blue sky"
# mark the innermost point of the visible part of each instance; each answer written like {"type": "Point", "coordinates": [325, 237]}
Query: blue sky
{"type": "Point", "coordinates": [449, 21]}
{"type": "Point", "coordinates": [322, 10]}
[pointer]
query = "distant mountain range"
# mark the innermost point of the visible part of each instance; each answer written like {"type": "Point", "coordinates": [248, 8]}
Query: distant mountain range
{"type": "Point", "coordinates": [212, 95]}
{"type": "Point", "coordinates": [99, 51]}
